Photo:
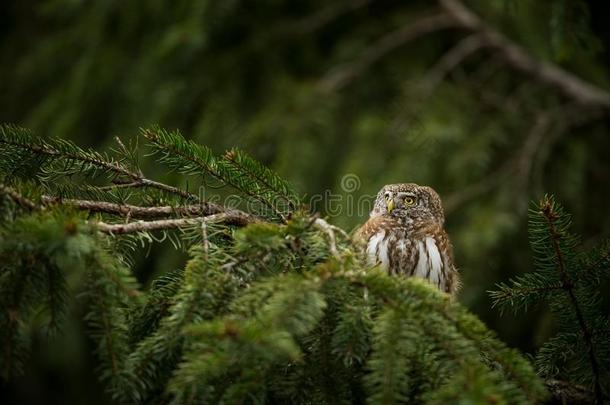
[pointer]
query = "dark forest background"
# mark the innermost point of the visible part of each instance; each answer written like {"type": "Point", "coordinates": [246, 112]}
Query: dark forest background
{"type": "Point", "coordinates": [388, 91]}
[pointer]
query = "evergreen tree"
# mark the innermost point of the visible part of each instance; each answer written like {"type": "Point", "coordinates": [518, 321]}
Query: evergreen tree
{"type": "Point", "coordinates": [274, 305]}
{"type": "Point", "coordinates": [570, 280]}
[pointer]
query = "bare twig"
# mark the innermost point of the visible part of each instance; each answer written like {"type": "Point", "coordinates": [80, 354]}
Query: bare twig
{"type": "Point", "coordinates": [567, 393]}
{"type": "Point", "coordinates": [519, 59]}
{"type": "Point", "coordinates": [135, 211]}
{"type": "Point", "coordinates": [453, 58]}
{"type": "Point", "coordinates": [345, 74]}
{"type": "Point", "coordinates": [228, 217]}
{"type": "Point", "coordinates": [204, 237]}
{"type": "Point", "coordinates": [487, 183]}
{"type": "Point", "coordinates": [206, 212]}
{"type": "Point", "coordinates": [527, 156]}
{"type": "Point", "coordinates": [548, 126]}
{"type": "Point", "coordinates": [330, 232]}
{"type": "Point", "coordinates": [520, 163]}
{"type": "Point", "coordinates": [324, 16]}
{"type": "Point", "coordinates": [18, 198]}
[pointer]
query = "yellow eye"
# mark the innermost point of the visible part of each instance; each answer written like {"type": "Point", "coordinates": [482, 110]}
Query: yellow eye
{"type": "Point", "coordinates": [409, 200]}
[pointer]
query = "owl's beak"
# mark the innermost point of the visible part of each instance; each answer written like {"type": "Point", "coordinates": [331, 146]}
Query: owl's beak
{"type": "Point", "coordinates": [390, 205]}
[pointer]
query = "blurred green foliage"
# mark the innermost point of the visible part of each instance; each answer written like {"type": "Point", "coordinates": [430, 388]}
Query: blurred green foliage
{"type": "Point", "coordinates": [256, 75]}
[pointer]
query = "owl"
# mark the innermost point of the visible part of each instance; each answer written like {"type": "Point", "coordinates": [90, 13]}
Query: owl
{"type": "Point", "coordinates": [405, 235]}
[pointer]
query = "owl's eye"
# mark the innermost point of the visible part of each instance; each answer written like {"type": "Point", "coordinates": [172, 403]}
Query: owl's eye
{"type": "Point", "coordinates": [409, 201]}
{"type": "Point", "coordinates": [387, 196]}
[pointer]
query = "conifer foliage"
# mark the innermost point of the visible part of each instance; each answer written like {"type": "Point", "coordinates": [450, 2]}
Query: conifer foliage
{"type": "Point", "coordinates": [274, 305]}
{"type": "Point", "coordinates": [570, 280]}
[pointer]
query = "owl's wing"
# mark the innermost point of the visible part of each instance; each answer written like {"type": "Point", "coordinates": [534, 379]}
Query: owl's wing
{"type": "Point", "coordinates": [451, 272]}
{"type": "Point", "coordinates": [368, 229]}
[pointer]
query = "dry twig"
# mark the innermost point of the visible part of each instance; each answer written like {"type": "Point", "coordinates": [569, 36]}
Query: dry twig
{"type": "Point", "coordinates": [347, 73]}
{"type": "Point", "coordinates": [518, 58]}
{"type": "Point", "coordinates": [228, 217]}
{"type": "Point", "coordinates": [135, 211]}
{"type": "Point", "coordinates": [330, 232]}
{"type": "Point", "coordinates": [18, 198]}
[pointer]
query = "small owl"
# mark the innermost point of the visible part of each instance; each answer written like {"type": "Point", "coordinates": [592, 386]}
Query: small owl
{"type": "Point", "coordinates": [405, 235]}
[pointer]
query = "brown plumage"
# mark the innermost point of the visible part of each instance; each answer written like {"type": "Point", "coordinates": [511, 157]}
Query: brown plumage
{"type": "Point", "coordinates": [405, 235]}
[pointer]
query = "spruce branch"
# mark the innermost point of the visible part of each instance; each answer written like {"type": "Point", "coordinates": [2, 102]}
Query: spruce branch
{"type": "Point", "coordinates": [18, 198]}
{"type": "Point", "coordinates": [265, 177]}
{"type": "Point", "coordinates": [238, 172]}
{"type": "Point", "coordinates": [136, 211]}
{"type": "Point", "coordinates": [268, 311]}
{"type": "Point", "coordinates": [228, 217]}
{"type": "Point", "coordinates": [569, 283]}
{"type": "Point", "coordinates": [547, 208]}
{"type": "Point", "coordinates": [567, 393]}
{"type": "Point", "coordinates": [111, 290]}
{"type": "Point", "coordinates": [14, 138]}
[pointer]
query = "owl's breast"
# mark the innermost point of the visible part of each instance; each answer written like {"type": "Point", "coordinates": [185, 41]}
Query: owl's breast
{"type": "Point", "coordinates": [390, 249]}
{"type": "Point", "coordinates": [394, 251]}
{"type": "Point", "coordinates": [377, 249]}
{"type": "Point", "coordinates": [430, 264]}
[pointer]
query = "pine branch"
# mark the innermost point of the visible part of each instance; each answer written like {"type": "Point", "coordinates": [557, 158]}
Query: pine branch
{"type": "Point", "coordinates": [229, 217]}
{"type": "Point", "coordinates": [68, 153]}
{"type": "Point", "coordinates": [517, 295]}
{"type": "Point", "coordinates": [135, 211]}
{"type": "Point", "coordinates": [548, 211]}
{"type": "Point", "coordinates": [258, 307]}
{"type": "Point", "coordinates": [111, 290]}
{"type": "Point", "coordinates": [18, 198]}
{"type": "Point", "coordinates": [565, 393]}
{"type": "Point", "coordinates": [264, 176]}
{"type": "Point", "coordinates": [191, 158]}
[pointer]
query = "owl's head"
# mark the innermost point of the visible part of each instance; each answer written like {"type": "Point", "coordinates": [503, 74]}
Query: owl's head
{"type": "Point", "coordinates": [410, 202]}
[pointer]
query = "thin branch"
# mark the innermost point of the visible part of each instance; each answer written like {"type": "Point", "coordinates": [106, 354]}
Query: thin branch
{"type": "Point", "coordinates": [153, 137]}
{"type": "Point", "coordinates": [453, 58]}
{"type": "Point", "coordinates": [568, 286]}
{"type": "Point", "coordinates": [529, 151]}
{"type": "Point", "coordinates": [330, 232]}
{"type": "Point", "coordinates": [559, 119]}
{"type": "Point", "coordinates": [519, 59]}
{"type": "Point", "coordinates": [500, 297]}
{"type": "Point", "coordinates": [566, 393]}
{"type": "Point", "coordinates": [138, 180]}
{"type": "Point", "coordinates": [18, 198]}
{"type": "Point", "coordinates": [135, 211]}
{"type": "Point", "coordinates": [324, 16]}
{"type": "Point", "coordinates": [343, 75]}
{"type": "Point", "coordinates": [144, 182]}
{"type": "Point", "coordinates": [487, 183]}
{"type": "Point", "coordinates": [204, 237]}
{"type": "Point", "coordinates": [231, 158]}
{"type": "Point", "coordinates": [229, 217]}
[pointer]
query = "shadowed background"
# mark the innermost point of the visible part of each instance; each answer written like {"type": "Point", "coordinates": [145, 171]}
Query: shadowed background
{"type": "Point", "coordinates": [386, 91]}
